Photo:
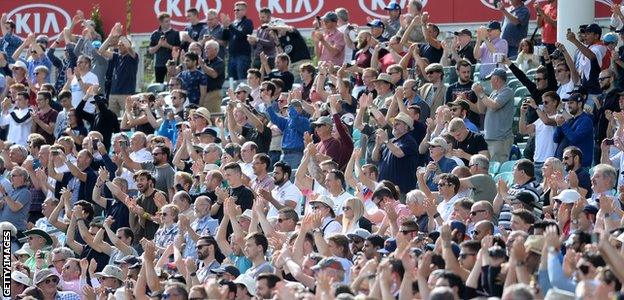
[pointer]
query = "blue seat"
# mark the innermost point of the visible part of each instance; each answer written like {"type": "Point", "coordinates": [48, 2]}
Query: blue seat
{"type": "Point", "coordinates": [494, 166]}
{"type": "Point", "coordinates": [506, 176]}
{"type": "Point", "coordinates": [507, 166]}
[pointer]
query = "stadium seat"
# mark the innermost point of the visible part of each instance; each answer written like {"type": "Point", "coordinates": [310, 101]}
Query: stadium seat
{"type": "Point", "coordinates": [514, 83]}
{"type": "Point", "coordinates": [494, 166]}
{"type": "Point", "coordinates": [507, 166]}
{"type": "Point", "coordinates": [522, 92]}
{"type": "Point", "coordinates": [506, 176]}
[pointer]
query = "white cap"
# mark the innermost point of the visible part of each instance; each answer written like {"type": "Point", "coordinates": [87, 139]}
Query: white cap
{"type": "Point", "coordinates": [21, 278]}
{"type": "Point", "coordinates": [568, 196]}
{"type": "Point", "coordinates": [248, 282]}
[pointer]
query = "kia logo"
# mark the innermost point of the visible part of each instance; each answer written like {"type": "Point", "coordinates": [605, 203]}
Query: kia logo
{"type": "Point", "coordinates": [291, 10]}
{"type": "Point", "coordinates": [39, 19]}
{"type": "Point", "coordinates": [177, 9]}
{"type": "Point", "coordinates": [375, 8]}
{"type": "Point", "coordinates": [490, 3]}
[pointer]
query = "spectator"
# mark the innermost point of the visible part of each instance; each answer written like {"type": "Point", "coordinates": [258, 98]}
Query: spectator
{"type": "Point", "coordinates": [282, 66]}
{"type": "Point", "coordinates": [578, 176]}
{"type": "Point", "coordinates": [573, 129]}
{"type": "Point", "coordinates": [238, 46]}
{"type": "Point", "coordinates": [192, 32]}
{"type": "Point", "coordinates": [329, 44]}
{"type": "Point", "coordinates": [432, 49]}
{"type": "Point", "coordinates": [515, 25]}
{"type": "Point", "coordinates": [79, 82]}
{"type": "Point", "coordinates": [468, 143]}
{"type": "Point", "coordinates": [264, 41]}
{"type": "Point", "coordinates": [10, 42]}
{"type": "Point", "coordinates": [489, 47]}
{"type": "Point", "coordinates": [213, 67]}
{"type": "Point", "coordinates": [547, 20]}
{"type": "Point", "coordinates": [434, 91]}
{"type": "Point", "coordinates": [44, 118]}
{"type": "Point", "coordinates": [461, 48]}
{"type": "Point", "coordinates": [498, 108]}
{"type": "Point", "coordinates": [294, 45]}
{"type": "Point", "coordinates": [459, 109]}
{"type": "Point", "coordinates": [162, 43]}
{"type": "Point", "coordinates": [393, 23]}
{"type": "Point", "coordinates": [19, 119]}
{"type": "Point", "coordinates": [543, 128]}
{"type": "Point", "coordinates": [194, 81]}
{"type": "Point", "coordinates": [35, 58]}
{"type": "Point", "coordinates": [214, 31]}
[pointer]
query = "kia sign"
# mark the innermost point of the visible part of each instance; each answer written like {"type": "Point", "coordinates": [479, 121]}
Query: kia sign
{"type": "Point", "coordinates": [177, 9]}
{"type": "Point", "coordinates": [490, 3]}
{"type": "Point", "coordinates": [291, 11]}
{"type": "Point", "coordinates": [39, 19]}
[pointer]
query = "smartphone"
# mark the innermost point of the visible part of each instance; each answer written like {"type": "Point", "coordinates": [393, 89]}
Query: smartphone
{"type": "Point", "coordinates": [95, 143]}
{"type": "Point", "coordinates": [167, 111]}
{"type": "Point", "coordinates": [609, 142]}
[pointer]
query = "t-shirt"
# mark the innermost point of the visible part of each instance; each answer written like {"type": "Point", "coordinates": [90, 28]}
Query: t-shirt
{"type": "Point", "coordinates": [78, 93]}
{"type": "Point", "coordinates": [286, 76]}
{"type": "Point", "coordinates": [465, 90]}
{"type": "Point", "coordinates": [472, 144]}
{"type": "Point", "coordinates": [163, 54]}
{"type": "Point", "coordinates": [400, 171]}
{"type": "Point", "coordinates": [262, 139]}
{"type": "Point", "coordinates": [544, 145]}
{"type": "Point", "coordinates": [124, 74]}
{"type": "Point", "coordinates": [218, 65]}
{"type": "Point", "coordinates": [498, 122]}
{"type": "Point", "coordinates": [20, 217]}
{"type": "Point", "coordinates": [163, 175]}
{"type": "Point", "coordinates": [432, 54]}
{"type": "Point", "coordinates": [484, 187]}
{"type": "Point", "coordinates": [245, 197]}
{"type": "Point", "coordinates": [47, 118]}
{"type": "Point", "coordinates": [293, 44]}
{"type": "Point", "coordinates": [191, 82]}
{"type": "Point", "coordinates": [513, 33]}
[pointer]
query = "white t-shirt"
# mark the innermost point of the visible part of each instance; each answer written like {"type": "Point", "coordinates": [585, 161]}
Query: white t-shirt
{"type": "Point", "coordinates": [339, 201]}
{"type": "Point", "coordinates": [18, 132]}
{"type": "Point", "coordinates": [544, 145]}
{"type": "Point", "coordinates": [78, 93]}
{"type": "Point", "coordinates": [288, 191]}
{"type": "Point", "coordinates": [141, 156]}
{"type": "Point", "coordinates": [584, 64]}
{"type": "Point", "coordinates": [564, 89]}
{"type": "Point", "coordinates": [348, 51]}
{"type": "Point", "coordinates": [445, 208]}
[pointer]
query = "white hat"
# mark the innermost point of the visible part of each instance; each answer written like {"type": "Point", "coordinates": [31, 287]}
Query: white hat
{"type": "Point", "coordinates": [405, 118]}
{"type": "Point", "coordinates": [568, 196]}
{"type": "Point", "coordinates": [111, 271]}
{"type": "Point", "coordinates": [325, 200]}
{"type": "Point", "coordinates": [21, 278]}
{"type": "Point", "coordinates": [18, 64]}
{"type": "Point", "coordinates": [248, 282]}
{"type": "Point", "coordinates": [246, 214]}
{"type": "Point", "coordinates": [438, 142]}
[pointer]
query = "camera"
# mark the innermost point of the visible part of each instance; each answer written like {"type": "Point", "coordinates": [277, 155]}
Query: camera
{"type": "Point", "coordinates": [497, 252]}
{"type": "Point", "coordinates": [350, 27]}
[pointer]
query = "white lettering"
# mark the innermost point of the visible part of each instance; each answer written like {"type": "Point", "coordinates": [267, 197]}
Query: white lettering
{"type": "Point", "coordinates": [300, 3]}
{"type": "Point", "coordinates": [21, 23]}
{"type": "Point", "coordinates": [173, 9]}
{"type": "Point", "coordinates": [377, 4]}
{"type": "Point", "coordinates": [51, 21]}
{"type": "Point", "coordinates": [275, 6]}
{"type": "Point", "coordinates": [37, 26]}
{"type": "Point", "coordinates": [202, 5]}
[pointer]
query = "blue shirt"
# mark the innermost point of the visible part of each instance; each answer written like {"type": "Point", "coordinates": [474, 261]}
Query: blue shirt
{"type": "Point", "coordinates": [401, 171]}
{"type": "Point", "coordinates": [8, 44]}
{"type": "Point", "coordinates": [445, 165]}
{"type": "Point", "coordinates": [191, 81]}
{"type": "Point", "coordinates": [579, 132]}
{"type": "Point", "coordinates": [470, 126]}
{"type": "Point", "coordinates": [20, 217]}
{"type": "Point", "coordinates": [514, 33]}
{"type": "Point", "coordinates": [242, 263]}
{"type": "Point", "coordinates": [42, 61]}
{"type": "Point", "coordinates": [201, 227]}
{"type": "Point", "coordinates": [293, 128]}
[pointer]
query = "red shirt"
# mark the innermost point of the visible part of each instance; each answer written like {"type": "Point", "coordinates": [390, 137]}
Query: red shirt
{"type": "Point", "coordinates": [549, 32]}
{"type": "Point", "coordinates": [338, 149]}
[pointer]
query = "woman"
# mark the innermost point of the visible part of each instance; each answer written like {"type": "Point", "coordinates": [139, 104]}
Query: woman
{"type": "Point", "coordinates": [41, 73]}
{"type": "Point", "coordinates": [526, 59]}
{"type": "Point", "coordinates": [139, 114]}
{"type": "Point", "coordinates": [168, 226]}
{"type": "Point", "coordinates": [353, 217]}
{"type": "Point", "coordinates": [552, 171]}
{"type": "Point", "coordinates": [76, 129]}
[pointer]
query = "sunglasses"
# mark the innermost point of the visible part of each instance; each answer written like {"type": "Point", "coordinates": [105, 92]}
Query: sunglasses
{"type": "Point", "coordinates": [280, 220]}
{"type": "Point", "coordinates": [346, 208]}
{"type": "Point", "coordinates": [603, 78]}
{"type": "Point", "coordinates": [54, 280]}
{"type": "Point", "coordinates": [474, 213]}
{"type": "Point", "coordinates": [464, 255]}
{"type": "Point", "coordinates": [445, 184]}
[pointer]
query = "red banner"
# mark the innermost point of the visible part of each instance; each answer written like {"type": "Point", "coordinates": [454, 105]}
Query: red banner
{"type": "Point", "coordinates": [50, 17]}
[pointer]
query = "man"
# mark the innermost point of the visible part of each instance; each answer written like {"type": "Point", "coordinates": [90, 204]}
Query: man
{"type": "Point", "coordinates": [282, 63]}
{"type": "Point", "coordinates": [384, 199]}
{"type": "Point", "coordinates": [260, 165]}
{"type": "Point", "coordinates": [162, 42]}
{"type": "Point", "coordinates": [460, 109]}
{"type": "Point", "coordinates": [38, 240]}
{"type": "Point", "coordinates": [285, 193]}
{"type": "Point", "coordinates": [44, 120]}
{"type": "Point", "coordinates": [547, 20]}
{"type": "Point", "coordinates": [515, 24]}
{"type": "Point", "coordinates": [397, 157]}
{"type": "Point", "coordinates": [292, 127]}
{"type": "Point", "coordinates": [254, 78]}
{"type": "Point", "coordinates": [214, 67]}
{"type": "Point", "coordinates": [64, 98]}
{"type": "Point", "coordinates": [460, 49]}
{"type": "Point", "coordinates": [125, 64]}
{"type": "Point", "coordinates": [482, 183]}
{"type": "Point", "coordinates": [115, 207]}
{"type": "Point", "coordinates": [80, 80]}
{"type": "Point", "coordinates": [377, 28]}
{"type": "Point", "coordinates": [256, 245]}
{"type": "Point", "coordinates": [438, 163]}
{"type": "Point", "coordinates": [202, 225]}
{"type": "Point", "coordinates": [499, 111]}
{"type": "Point", "coordinates": [432, 48]}
{"type": "Point", "coordinates": [434, 91]}
{"type": "Point", "coordinates": [71, 276]}
{"type": "Point", "coordinates": [462, 90]}
{"type": "Point", "coordinates": [338, 149]}
{"type": "Point", "coordinates": [48, 283]}
{"type": "Point", "coordinates": [266, 285]}
{"type": "Point", "coordinates": [143, 212]}
{"type": "Point", "coordinates": [233, 175]}
{"type": "Point", "coordinates": [292, 43]}
{"type": "Point", "coordinates": [247, 153]}
{"type": "Point", "coordinates": [264, 42]}
{"type": "Point", "coordinates": [206, 254]}
{"type": "Point", "coordinates": [194, 29]}
{"type": "Point", "coordinates": [214, 31]}
{"type": "Point", "coordinates": [543, 128]}
{"type": "Point", "coordinates": [575, 129]}
{"type": "Point", "coordinates": [160, 168]}
{"type": "Point", "coordinates": [393, 23]}
{"type": "Point", "coordinates": [238, 46]}
{"type": "Point", "coordinates": [607, 103]}
{"type": "Point", "coordinates": [323, 207]}
{"type": "Point", "coordinates": [522, 220]}
{"type": "Point", "coordinates": [489, 43]}
{"type": "Point", "coordinates": [194, 81]}
{"type": "Point", "coordinates": [589, 60]}
{"type": "Point", "coordinates": [14, 207]}
{"type": "Point", "coordinates": [103, 120]}
{"type": "Point", "coordinates": [335, 185]}
{"type": "Point", "coordinates": [329, 45]}
{"type": "Point", "coordinates": [9, 42]}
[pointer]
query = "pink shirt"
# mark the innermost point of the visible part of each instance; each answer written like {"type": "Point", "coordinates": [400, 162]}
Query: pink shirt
{"type": "Point", "coordinates": [336, 39]}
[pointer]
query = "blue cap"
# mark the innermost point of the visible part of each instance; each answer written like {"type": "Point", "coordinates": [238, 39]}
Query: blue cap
{"type": "Point", "coordinates": [459, 225]}
{"type": "Point", "coordinates": [456, 249]}
{"type": "Point", "coordinates": [376, 23]}
{"type": "Point", "coordinates": [494, 25]}
{"type": "Point", "coordinates": [393, 6]}
{"type": "Point", "coordinates": [96, 44]}
{"type": "Point", "coordinates": [610, 38]}
{"type": "Point", "coordinates": [498, 72]}
{"type": "Point", "coordinates": [389, 246]}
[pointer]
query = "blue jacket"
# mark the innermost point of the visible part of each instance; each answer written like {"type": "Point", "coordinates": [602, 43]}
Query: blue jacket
{"type": "Point", "coordinates": [579, 132]}
{"type": "Point", "coordinates": [293, 128]}
{"type": "Point", "coordinates": [9, 43]}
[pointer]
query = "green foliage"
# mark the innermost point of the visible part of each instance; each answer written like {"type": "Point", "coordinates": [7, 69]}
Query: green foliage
{"type": "Point", "coordinates": [96, 17]}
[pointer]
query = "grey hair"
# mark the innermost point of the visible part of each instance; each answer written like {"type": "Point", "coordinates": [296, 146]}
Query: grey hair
{"type": "Point", "coordinates": [518, 291]}
{"type": "Point", "coordinates": [121, 135]}
{"type": "Point", "coordinates": [416, 196]}
{"type": "Point", "coordinates": [214, 147]}
{"type": "Point", "coordinates": [442, 293]}
{"type": "Point", "coordinates": [212, 12]}
{"type": "Point", "coordinates": [342, 13]}
{"type": "Point", "coordinates": [23, 151]}
{"type": "Point", "coordinates": [481, 160]}
{"type": "Point", "coordinates": [212, 44]}
{"type": "Point", "coordinates": [607, 170]}
{"type": "Point", "coordinates": [68, 253]}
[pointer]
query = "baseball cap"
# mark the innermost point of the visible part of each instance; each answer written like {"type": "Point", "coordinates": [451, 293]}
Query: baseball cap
{"type": "Point", "coordinates": [248, 282]}
{"type": "Point", "coordinates": [20, 277]}
{"type": "Point", "coordinates": [465, 31]}
{"type": "Point", "coordinates": [330, 16]}
{"type": "Point", "coordinates": [323, 120]}
{"type": "Point", "coordinates": [328, 262]}
{"type": "Point", "coordinates": [438, 142]}
{"type": "Point", "coordinates": [226, 269]}
{"type": "Point", "coordinates": [578, 89]}
{"type": "Point", "coordinates": [359, 233]}
{"type": "Point", "coordinates": [568, 196]}
{"type": "Point", "coordinates": [389, 246]}
{"type": "Point", "coordinates": [243, 88]}
{"type": "Point", "coordinates": [393, 5]}
{"type": "Point", "coordinates": [494, 25]}
{"type": "Point", "coordinates": [18, 64]}
{"type": "Point", "coordinates": [590, 209]}
{"type": "Point", "coordinates": [498, 72]}
{"type": "Point", "coordinates": [376, 23]}
{"type": "Point", "coordinates": [573, 97]}
{"type": "Point", "coordinates": [610, 38]}
{"type": "Point", "coordinates": [459, 225]}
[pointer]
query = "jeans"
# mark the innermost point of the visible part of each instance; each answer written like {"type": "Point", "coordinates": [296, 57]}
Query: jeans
{"type": "Point", "coordinates": [238, 66]}
{"type": "Point", "coordinates": [538, 171]}
{"type": "Point", "coordinates": [292, 158]}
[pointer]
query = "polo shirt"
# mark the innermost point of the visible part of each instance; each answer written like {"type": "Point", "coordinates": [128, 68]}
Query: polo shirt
{"type": "Point", "coordinates": [124, 74]}
{"type": "Point", "coordinates": [472, 144]}
{"type": "Point", "coordinates": [287, 191]}
{"type": "Point", "coordinates": [213, 84]}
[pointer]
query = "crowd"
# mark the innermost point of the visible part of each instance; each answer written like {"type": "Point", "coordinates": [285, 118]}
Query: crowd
{"type": "Point", "coordinates": [402, 164]}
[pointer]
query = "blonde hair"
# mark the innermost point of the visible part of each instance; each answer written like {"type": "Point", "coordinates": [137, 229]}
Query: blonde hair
{"type": "Point", "coordinates": [358, 211]}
